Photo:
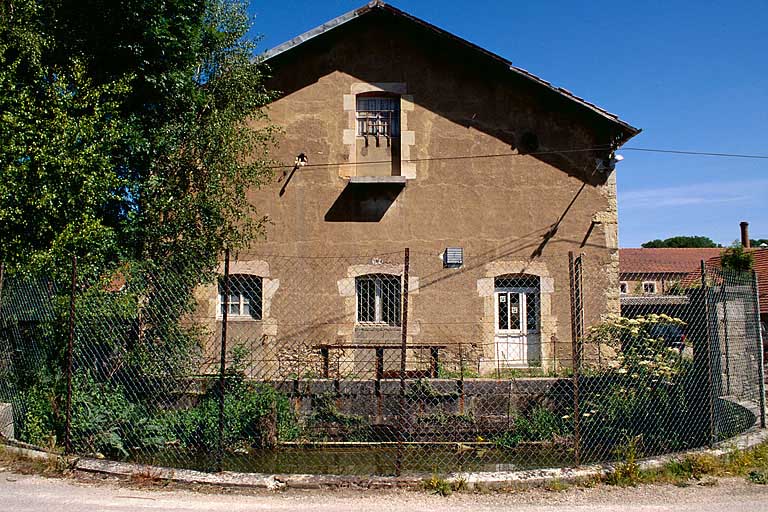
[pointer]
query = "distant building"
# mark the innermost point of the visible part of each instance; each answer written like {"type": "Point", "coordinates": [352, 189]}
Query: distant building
{"type": "Point", "coordinates": [648, 272]}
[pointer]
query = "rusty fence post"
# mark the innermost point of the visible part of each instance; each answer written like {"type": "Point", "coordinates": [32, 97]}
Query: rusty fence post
{"type": "Point", "coordinates": [403, 351]}
{"type": "Point", "coordinates": [710, 354]}
{"type": "Point", "coordinates": [2, 281]}
{"type": "Point", "coordinates": [761, 353]}
{"type": "Point", "coordinates": [70, 357]}
{"type": "Point", "coordinates": [223, 362]}
{"type": "Point", "coordinates": [724, 297]}
{"type": "Point", "coordinates": [574, 271]}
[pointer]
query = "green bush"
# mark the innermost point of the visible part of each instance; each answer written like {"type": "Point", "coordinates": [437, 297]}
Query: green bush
{"type": "Point", "coordinates": [255, 416]}
{"type": "Point", "coordinates": [658, 414]}
{"type": "Point", "coordinates": [540, 424]}
{"type": "Point", "coordinates": [39, 421]}
{"type": "Point", "coordinates": [645, 395]}
{"type": "Point", "coordinates": [103, 419]}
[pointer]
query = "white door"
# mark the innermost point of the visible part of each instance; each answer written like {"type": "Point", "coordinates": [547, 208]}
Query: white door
{"type": "Point", "coordinates": [516, 325]}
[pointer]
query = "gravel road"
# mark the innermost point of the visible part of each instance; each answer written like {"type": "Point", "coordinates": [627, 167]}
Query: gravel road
{"type": "Point", "coordinates": [29, 493]}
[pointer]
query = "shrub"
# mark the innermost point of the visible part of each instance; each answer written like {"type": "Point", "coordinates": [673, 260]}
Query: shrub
{"type": "Point", "coordinates": [540, 424]}
{"type": "Point", "coordinates": [39, 421]}
{"type": "Point", "coordinates": [102, 417]}
{"type": "Point", "coordinates": [644, 394]}
{"type": "Point", "coordinates": [254, 416]}
{"type": "Point", "coordinates": [736, 258]}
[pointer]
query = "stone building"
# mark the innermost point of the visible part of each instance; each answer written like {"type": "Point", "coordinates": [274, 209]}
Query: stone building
{"type": "Point", "coordinates": [405, 135]}
{"type": "Point", "coordinates": [659, 271]}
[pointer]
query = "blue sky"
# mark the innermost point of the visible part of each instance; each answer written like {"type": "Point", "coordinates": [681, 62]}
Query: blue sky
{"type": "Point", "coordinates": [692, 75]}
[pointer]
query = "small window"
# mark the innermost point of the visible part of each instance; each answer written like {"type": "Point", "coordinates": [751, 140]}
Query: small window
{"type": "Point", "coordinates": [378, 299]}
{"type": "Point", "coordinates": [378, 116]}
{"type": "Point", "coordinates": [649, 287]}
{"type": "Point", "coordinates": [244, 298]}
{"type": "Point", "coordinates": [623, 288]}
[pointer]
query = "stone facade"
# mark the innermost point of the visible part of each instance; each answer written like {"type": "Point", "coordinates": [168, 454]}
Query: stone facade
{"type": "Point", "coordinates": [519, 212]}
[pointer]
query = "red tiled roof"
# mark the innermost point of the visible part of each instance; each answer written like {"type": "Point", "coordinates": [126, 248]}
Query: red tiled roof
{"type": "Point", "coordinates": [760, 266]}
{"type": "Point", "coordinates": [663, 260]}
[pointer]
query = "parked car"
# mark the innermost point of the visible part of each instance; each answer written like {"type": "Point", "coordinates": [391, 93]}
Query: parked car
{"type": "Point", "coordinates": [673, 335]}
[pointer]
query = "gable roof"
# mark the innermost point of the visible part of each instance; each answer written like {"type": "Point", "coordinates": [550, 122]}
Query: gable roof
{"type": "Point", "coordinates": [628, 130]}
{"type": "Point", "coordinates": [664, 260]}
{"type": "Point", "coordinates": [760, 267]}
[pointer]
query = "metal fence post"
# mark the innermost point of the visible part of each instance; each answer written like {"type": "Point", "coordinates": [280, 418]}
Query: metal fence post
{"type": "Point", "coordinates": [2, 280]}
{"type": "Point", "coordinates": [726, 339]}
{"type": "Point", "coordinates": [223, 363]}
{"type": "Point", "coordinates": [403, 349]}
{"type": "Point", "coordinates": [760, 356]}
{"type": "Point", "coordinates": [575, 355]}
{"type": "Point", "coordinates": [70, 357]}
{"type": "Point", "coordinates": [710, 378]}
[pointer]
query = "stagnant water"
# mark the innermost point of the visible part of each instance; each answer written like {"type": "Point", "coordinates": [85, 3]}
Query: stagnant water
{"type": "Point", "coordinates": [371, 460]}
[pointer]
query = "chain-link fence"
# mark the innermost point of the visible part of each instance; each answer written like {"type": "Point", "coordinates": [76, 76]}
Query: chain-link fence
{"type": "Point", "coordinates": [379, 364]}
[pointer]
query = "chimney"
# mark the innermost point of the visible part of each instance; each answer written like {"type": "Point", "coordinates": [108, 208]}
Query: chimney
{"type": "Point", "coordinates": [744, 234]}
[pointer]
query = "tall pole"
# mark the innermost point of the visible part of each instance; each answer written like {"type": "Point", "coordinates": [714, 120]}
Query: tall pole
{"type": "Point", "coordinates": [222, 362]}
{"type": "Point", "coordinates": [575, 355]}
{"type": "Point", "coordinates": [70, 357]}
{"type": "Point", "coordinates": [760, 356]}
{"type": "Point", "coordinates": [2, 280]}
{"type": "Point", "coordinates": [710, 378]}
{"type": "Point", "coordinates": [403, 350]}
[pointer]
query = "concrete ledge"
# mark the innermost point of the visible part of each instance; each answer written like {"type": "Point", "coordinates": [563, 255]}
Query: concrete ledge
{"type": "Point", "coordinates": [372, 180]}
{"type": "Point", "coordinates": [540, 476]}
{"type": "Point", "coordinates": [231, 479]}
{"type": "Point", "coordinates": [25, 450]}
{"type": "Point", "coordinates": [521, 478]}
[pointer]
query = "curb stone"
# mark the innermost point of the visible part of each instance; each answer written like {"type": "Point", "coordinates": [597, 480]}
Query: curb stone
{"type": "Point", "coordinates": [499, 479]}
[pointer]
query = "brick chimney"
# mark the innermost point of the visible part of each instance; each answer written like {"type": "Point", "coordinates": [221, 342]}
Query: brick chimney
{"type": "Point", "coordinates": [744, 234]}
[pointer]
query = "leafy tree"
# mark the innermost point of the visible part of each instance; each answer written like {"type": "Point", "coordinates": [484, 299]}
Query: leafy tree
{"type": "Point", "coordinates": [682, 241]}
{"type": "Point", "coordinates": [736, 258]}
{"type": "Point", "coordinates": [759, 242]}
{"type": "Point", "coordinates": [130, 130]}
{"type": "Point", "coordinates": [57, 132]}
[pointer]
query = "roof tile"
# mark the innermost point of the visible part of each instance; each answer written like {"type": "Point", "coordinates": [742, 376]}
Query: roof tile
{"type": "Point", "coordinates": [663, 260]}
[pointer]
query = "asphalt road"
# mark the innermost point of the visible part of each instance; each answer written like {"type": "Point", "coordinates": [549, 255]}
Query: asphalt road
{"type": "Point", "coordinates": [21, 493]}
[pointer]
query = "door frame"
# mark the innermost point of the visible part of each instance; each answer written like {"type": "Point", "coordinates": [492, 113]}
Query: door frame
{"type": "Point", "coordinates": [522, 333]}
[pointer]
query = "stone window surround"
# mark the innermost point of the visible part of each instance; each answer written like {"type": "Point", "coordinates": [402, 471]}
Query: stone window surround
{"type": "Point", "coordinates": [486, 288]}
{"type": "Point", "coordinates": [269, 288]}
{"type": "Point", "coordinates": [347, 290]}
{"type": "Point", "coordinates": [407, 137]}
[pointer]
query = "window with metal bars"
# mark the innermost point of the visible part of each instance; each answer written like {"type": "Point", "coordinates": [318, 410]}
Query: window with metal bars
{"type": "Point", "coordinates": [378, 116]}
{"type": "Point", "coordinates": [245, 296]}
{"type": "Point", "coordinates": [378, 299]}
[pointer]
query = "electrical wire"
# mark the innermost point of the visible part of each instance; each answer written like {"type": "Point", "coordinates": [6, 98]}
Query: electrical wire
{"type": "Point", "coordinates": [605, 147]}
{"type": "Point", "coordinates": [696, 153]}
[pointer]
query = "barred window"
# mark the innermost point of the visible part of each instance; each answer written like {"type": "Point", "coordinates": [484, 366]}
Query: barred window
{"type": "Point", "coordinates": [378, 115]}
{"type": "Point", "coordinates": [244, 298]}
{"type": "Point", "coordinates": [378, 299]}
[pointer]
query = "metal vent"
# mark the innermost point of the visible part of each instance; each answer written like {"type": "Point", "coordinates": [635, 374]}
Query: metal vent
{"type": "Point", "coordinates": [453, 257]}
